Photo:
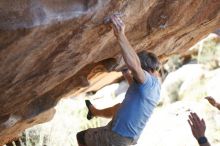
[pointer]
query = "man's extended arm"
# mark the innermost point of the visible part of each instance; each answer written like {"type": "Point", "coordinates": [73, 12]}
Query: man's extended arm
{"type": "Point", "coordinates": [129, 55]}
{"type": "Point", "coordinates": [213, 102]}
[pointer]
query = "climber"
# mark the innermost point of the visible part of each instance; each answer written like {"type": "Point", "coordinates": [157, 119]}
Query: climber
{"type": "Point", "coordinates": [131, 116]}
{"type": "Point", "coordinates": [198, 128]}
{"type": "Point", "coordinates": [213, 102]}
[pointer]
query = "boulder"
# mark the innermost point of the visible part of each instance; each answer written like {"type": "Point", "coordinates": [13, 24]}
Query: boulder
{"type": "Point", "coordinates": [51, 49]}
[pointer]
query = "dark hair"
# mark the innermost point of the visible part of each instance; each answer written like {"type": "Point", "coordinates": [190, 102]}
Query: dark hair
{"type": "Point", "coordinates": [149, 61]}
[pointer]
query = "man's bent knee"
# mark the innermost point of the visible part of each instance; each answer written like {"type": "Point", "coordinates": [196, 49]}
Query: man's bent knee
{"type": "Point", "coordinates": [81, 138]}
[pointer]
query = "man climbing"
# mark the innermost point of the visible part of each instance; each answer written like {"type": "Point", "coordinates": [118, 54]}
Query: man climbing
{"type": "Point", "coordinates": [131, 116]}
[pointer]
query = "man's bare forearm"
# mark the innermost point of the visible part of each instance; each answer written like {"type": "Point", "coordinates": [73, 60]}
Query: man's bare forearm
{"type": "Point", "coordinates": [129, 55]}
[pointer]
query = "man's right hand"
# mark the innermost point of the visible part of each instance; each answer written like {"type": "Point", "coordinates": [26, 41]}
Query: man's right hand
{"type": "Point", "coordinates": [118, 26]}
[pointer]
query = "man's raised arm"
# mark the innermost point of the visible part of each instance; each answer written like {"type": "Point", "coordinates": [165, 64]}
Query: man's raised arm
{"type": "Point", "coordinates": [129, 55]}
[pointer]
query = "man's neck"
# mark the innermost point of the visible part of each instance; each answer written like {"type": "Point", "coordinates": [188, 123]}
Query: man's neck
{"type": "Point", "coordinates": [155, 73]}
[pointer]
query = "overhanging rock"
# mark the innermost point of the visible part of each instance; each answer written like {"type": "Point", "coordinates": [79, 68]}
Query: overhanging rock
{"type": "Point", "coordinates": [48, 49]}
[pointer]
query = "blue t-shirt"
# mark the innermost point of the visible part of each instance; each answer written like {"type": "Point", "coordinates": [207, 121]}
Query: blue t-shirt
{"type": "Point", "coordinates": [137, 107]}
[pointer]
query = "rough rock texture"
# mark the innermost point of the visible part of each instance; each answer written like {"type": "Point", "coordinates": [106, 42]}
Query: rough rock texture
{"type": "Point", "coordinates": [51, 48]}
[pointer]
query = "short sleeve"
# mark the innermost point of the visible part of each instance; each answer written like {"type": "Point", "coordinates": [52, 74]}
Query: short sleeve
{"type": "Point", "coordinates": [147, 79]}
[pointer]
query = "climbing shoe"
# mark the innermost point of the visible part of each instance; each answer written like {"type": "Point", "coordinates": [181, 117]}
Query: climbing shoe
{"type": "Point", "coordinates": [88, 104]}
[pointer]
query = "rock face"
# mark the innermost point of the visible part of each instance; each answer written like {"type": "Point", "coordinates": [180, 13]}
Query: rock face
{"type": "Point", "coordinates": [49, 49]}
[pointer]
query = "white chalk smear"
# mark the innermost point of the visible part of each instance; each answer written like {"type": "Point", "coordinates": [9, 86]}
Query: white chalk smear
{"type": "Point", "coordinates": [13, 119]}
{"type": "Point", "coordinates": [42, 14]}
